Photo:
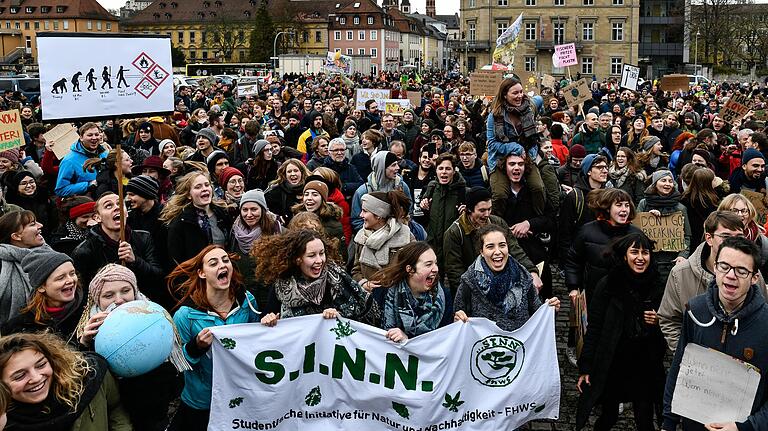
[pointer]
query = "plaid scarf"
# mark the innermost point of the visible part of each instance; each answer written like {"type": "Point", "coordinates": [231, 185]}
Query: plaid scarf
{"type": "Point", "coordinates": [525, 113]}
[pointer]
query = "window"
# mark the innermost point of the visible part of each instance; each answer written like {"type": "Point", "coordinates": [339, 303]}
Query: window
{"type": "Point", "coordinates": [109, 26]}
{"type": "Point", "coordinates": [471, 3]}
{"type": "Point", "coordinates": [342, 20]}
{"type": "Point", "coordinates": [370, 20]}
{"type": "Point", "coordinates": [501, 27]}
{"type": "Point", "coordinates": [65, 24]}
{"type": "Point", "coordinates": [192, 35]}
{"type": "Point", "coordinates": [46, 25]}
{"type": "Point", "coordinates": [374, 34]}
{"type": "Point", "coordinates": [26, 25]}
{"type": "Point", "coordinates": [589, 2]}
{"type": "Point", "coordinates": [472, 33]}
{"type": "Point", "coordinates": [241, 54]}
{"type": "Point", "coordinates": [356, 20]}
{"type": "Point", "coordinates": [181, 37]}
{"type": "Point", "coordinates": [361, 51]}
{"type": "Point", "coordinates": [586, 66]}
{"type": "Point", "coordinates": [616, 65]}
{"type": "Point", "coordinates": [59, 9]}
{"type": "Point", "coordinates": [55, 25]}
{"type": "Point", "coordinates": [7, 24]}
{"type": "Point", "coordinates": [530, 31]}
{"type": "Point", "coordinates": [29, 9]}
{"type": "Point", "coordinates": [558, 32]}
{"type": "Point", "coordinates": [98, 25]}
{"type": "Point", "coordinates": [530, 63]}
{"type": "Point", "coordinates": [203, 36]}
{"type": "Point", "coordinates": [14, 10]}
{"type": "Point", "coordinates": [361, 35]}
{"type": "Point", "coordinates": [374, 52]}
{"type": "Point", "coordinates": [587, 31]}
{"type": "Point", "coordinates": [304, 36]}
{"type": "Point", "coordinates": [17, 25]}
{"type": "Point", "coordinates": [205, 55]}
{"type": "Point", "coordinates": [192, 54]}
{"type": "Point", "coordinates": [503, 3]}
{"type": "Point", "coordinates": [45, 9]}
{"type": "Point", "coordinates": [37, 25]}
{"type": "Point", "coordinates": [349, 51]}
{"type": "Point", "coordinates": [336, 35]}
{"type": "Point", "coordinates": [530, 2]}
{"type": "Point", "coordinates": [617, 2]}
{"type": "Point", "coordinates": [617, 31]}
{"type": "Point", "coordinates": [559, 3]}
{"type": "Point", "coordinates": [350, 35]}
{"type": "Point", "coordinates": [318, 36]}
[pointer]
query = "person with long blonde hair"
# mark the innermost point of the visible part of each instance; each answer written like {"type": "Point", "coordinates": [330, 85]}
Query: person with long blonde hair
{"type": "Point", "coordinates": [210, 293]}
{"type": "Point", "coordinates": [76, 390]}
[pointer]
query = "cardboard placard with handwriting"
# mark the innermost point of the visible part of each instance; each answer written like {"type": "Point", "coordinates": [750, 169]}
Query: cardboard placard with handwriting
{"type": "Point", "coordinates": [758, 200]}
{"type": "Point", "coordinates": [548, 81]}
{"type": "Point", "coordinates": [577, 92]}
{"type": "Point", "coordinates": [11, 133]}
{"type": "Point", "coordinates": [396, 107]}
{"type": "Point", "coordinates": [363, 95]}
{"type": "Point", "coordinates": [735, 108]}
{"type": "Point", "coordinates": [675, 83]}
{"type": "Point", "coordinates": [415, 97]}
{"type": "Point", "coordinates": [668, 231]}
{"type": "Point", "coordinates": [62, 136]}
{"type": "Point", "coordinates": [485, 82]}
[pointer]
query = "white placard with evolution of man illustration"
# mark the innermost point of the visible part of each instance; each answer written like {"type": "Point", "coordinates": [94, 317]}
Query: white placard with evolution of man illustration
{"type": "Point", "coordinates": [92, 76]}
{"type": "Point", "coordinates": [338, 374]}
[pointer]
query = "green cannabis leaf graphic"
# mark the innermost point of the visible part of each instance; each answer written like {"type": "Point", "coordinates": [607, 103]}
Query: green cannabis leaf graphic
{"type": "Point", "coordinates": [235, 402]}
{"type": "Point", "coordinates": [313, 397]}
{"type": "Point", "coordinates": [453, 403]}
{"type": "Point", "coordinates": [342, 329]}
{"type": "Point", "coordinates": [228, 343]}
{"type": "Point", "coordinates": [401, 409]}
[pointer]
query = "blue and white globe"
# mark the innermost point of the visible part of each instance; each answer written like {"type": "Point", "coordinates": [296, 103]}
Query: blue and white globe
{"type": "Point", "coordinates": [135, 338]}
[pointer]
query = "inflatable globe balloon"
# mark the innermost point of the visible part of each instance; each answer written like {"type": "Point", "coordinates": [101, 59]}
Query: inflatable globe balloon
{"type": "Point", "coordinates": [135, 338]}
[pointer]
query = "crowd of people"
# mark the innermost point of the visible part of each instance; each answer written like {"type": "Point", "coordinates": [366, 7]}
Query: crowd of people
{"type": "Point", "coordinates": [295, 202]}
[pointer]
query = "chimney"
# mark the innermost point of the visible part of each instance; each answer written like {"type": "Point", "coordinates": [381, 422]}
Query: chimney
{"type": "Point", "coordinates": [431, 8]}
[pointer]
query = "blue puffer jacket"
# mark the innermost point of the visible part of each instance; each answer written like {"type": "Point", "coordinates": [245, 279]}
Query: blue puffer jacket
{"type": "Point", "coordinates": [72, 179]}
{"type": "Point", "coordinates": [189, 321]}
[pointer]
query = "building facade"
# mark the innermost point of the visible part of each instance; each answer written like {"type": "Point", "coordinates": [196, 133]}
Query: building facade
{"type": "Point", "coordinates": [663, 47]}
{"type": "Point", "coordinates": [363, 28]}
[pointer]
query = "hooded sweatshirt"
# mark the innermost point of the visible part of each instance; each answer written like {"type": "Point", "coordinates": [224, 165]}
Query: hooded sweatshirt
{"type": "Point", "coordinates": [377, 182]}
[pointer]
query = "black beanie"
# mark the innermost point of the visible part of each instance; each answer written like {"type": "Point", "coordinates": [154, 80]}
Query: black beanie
{"type": "Point", "coordinates": [477, 194]}
{"type": "Point", "coordinates": [391, 158]}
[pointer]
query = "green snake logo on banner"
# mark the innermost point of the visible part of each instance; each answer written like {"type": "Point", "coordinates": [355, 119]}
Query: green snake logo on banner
{"type": "Point", "coordinates": [497, 360]}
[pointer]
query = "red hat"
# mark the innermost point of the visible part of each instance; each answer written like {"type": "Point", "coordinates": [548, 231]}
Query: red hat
{"type": "Point", "coordinates": [227, 174]}
{"type": "Point", "coordinates": [82, 209]}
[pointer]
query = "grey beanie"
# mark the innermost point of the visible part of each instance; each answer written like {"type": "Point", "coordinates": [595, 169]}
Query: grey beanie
{"type": "Point", "coordinates": [40, 263]}
{"type": "Point", "coordinates": [650, 141]}
{"type": "Point", "coordinates": [259, 146]}
{"type": "Point", "coordinates": [656, 176]}
{"type": "Point", "coordinates": [255, 195]}
{"type": "Point", "coordinates": [209, 134]}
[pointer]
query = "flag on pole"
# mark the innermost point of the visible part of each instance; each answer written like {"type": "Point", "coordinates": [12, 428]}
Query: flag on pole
{"type": "Point", "coordinates": [507, 43]}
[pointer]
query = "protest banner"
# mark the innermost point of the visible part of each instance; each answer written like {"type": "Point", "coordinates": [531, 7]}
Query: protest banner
{"type": "Point", "coordinates": [566, 55]}
{"type": "Point", "coordinates": [364, 94]}
{"type": "Point", "coordinates": [759, 202]}
{"type": "Point", "coordinates": [396, 107]}
{"type": "Point", "coordinates": [485, 82]}
{"type": "Point", "coordinates": [130, 75]}
{"type": "Point", "coordinates": [713, 387]}
{"type": "Point", "coordinates": [320, 374]}
{"type": "Point", "coordinates": [577, 92]}
{"type": "Point", "coordinates": [675, 83]}
{"type": "Point", "coordinates": [62, 136]}
{"type": "Point", "coordinates": [735, 108]}
{"type": "Point", "coordinates": [335, 62]}
{"type": "Point", "coordinates": [11, 133]}
{"type": "Point", "coordinates": [248, 90]}
{"type": "Point", "coordinates": [668, 231]}
{"type": "Point", "coordinates": [629, 76]}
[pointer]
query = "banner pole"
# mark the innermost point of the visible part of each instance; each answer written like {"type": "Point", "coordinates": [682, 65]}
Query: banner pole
{"type": "Point", "coordinates": [117, 135]}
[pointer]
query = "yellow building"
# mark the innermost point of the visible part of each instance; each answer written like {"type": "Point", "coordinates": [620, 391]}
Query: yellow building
{"type": "Point", "coordinates": [21, 20]}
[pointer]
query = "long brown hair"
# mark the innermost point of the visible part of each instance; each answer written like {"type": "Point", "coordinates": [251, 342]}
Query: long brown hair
{"type": "Point", "coordinates": [282, 177]}
{"type": "Point", "coordinates": [193, 287]}
{"type": "Point", "coordinates": [276, 255]}
{"type": "Point", "coordinates": [632, 165]}
{"type": "Point", "coordinates": [601, 200]}
{"type": "Point", "coordinates": [181, 199]}
{"type": "Point", "coordinates": [497, 107]}
{"type": "Point", "coordinates": [700, 191]}
{"type": "Point", "coordinates": [394, 273]}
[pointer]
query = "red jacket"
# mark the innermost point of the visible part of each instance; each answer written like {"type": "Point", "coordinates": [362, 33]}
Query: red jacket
{"type": "Point", "coordinates": [338, 198]}
{"type": "Point", "coordinates": [560, 150]}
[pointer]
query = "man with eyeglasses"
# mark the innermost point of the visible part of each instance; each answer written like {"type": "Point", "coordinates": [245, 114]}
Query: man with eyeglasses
{"type": "Point", "coordinates": [692, 277]}
{"type": "Point", "coordinates": [389, 130]}
{"type": "Point", "coordinates": [730, 317]}
{"type": "Point", "coordinates": [475, 173]}
{"type": "Point", "coordinates": [337, 160]}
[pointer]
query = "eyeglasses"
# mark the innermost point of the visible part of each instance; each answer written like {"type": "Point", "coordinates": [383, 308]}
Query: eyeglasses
{"type": "Point", "coordinates": [744, 211]}
{"type": "Point", "coordinates": [600, 167]}
{"type": "Point", "coordinates": [725, 268]}
{"type": "Point", "coordinates": [27, 183]}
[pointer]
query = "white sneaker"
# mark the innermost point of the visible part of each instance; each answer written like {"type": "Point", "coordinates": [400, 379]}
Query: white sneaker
{"type": "Point", "coordinates": [570, 352]}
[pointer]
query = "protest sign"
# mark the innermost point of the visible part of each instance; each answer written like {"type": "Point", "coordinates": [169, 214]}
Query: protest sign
{"type": "Point", "coordinates": [759, 202]}
{"type": "Point", "coordinates": [668, 231]}
{"type": "Point", "coordinates": [130, 75]}
{"type": "Point", "coordinates": [247, 90]}
{"type": "Point", "coordinates": [629, 76]}
{"type": "Point", "coordinates": [206, 82]}
{"type": "Point", "coordinates": [761, 115]}
{"type": "Point", "coordinates": [548, 81]}
{"type": "Point", "coordinates": [11, 134]}
{"type": "Point", "coordinates": [396, 107]}
{"type": "Point", "coordinates": [735, 108]}
{"type": "Point", "coordinates": [321, 374]}
{"type": "Point", "coordinates": [529, 81]}
{"type": "Point", "coordinates": [414, 96]}
{"type": "Point", "coordinates": [577, 92]}
{"type": "Point", "coordinates": [675, 83]}
{"type": "Point", "coordinates": [335, 62]}
{"type": "Point", "coordinates": [485, 82]}
{"type": "Point", "coordinates": [713, 387]}
{"type": "Point", "coordinates": [566, 55]}
{"type": "Point", "coordinates": [62, 136]}
{"type": "Point", "coordinates": [364, 94]}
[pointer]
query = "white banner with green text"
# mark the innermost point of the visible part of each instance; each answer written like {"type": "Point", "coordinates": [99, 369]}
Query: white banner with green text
{"type": "Point", "coordinates": [310, 373]}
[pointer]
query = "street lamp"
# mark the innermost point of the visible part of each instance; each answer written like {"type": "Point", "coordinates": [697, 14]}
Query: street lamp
{"type": "Point", "coordinates": [274, 48]}
{"type": "Point", "coordinates": [696, 54]}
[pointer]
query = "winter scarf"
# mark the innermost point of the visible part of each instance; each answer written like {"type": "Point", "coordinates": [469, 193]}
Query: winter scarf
{"type": "Point", "coordinates": [298, 291]}
{"type": "Point", "coordinates": [618, 176]}
{"type": "Point", "coordinates": [504, 289]}
{"type": "Point", "coordinates": [525, 113]}
{"type": "Point", "coordinates": [664, 204]}
{"type": "Point", "coordinates": [752, 231]}
{"type": "Point", "coordinates": [245, 236]}
{"type": "Point", "coordinates": [75, 232]}
{"type": "Point", "coordinates": [353, 146]}
{"type": "Point", "coordinates": [376, 245]}
{"type": "Point", "coordinates": [415, 316]}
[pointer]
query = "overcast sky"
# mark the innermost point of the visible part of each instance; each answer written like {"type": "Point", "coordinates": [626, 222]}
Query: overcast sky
{"type": "Point", "coordinates": [443, 6]}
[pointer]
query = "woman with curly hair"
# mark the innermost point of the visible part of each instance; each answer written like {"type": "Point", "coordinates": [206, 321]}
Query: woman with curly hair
{"type": "Point", "coordinates": [303, 268]}
{"type": "Point", "coordinates": [53, 387]}
{"type": "Point", "coordinates": [626, 174]}
{"type": "Point", "coordinates": [315, 199]}
{"type": "Point", "coordinates": [636, 132]}
{"type": "Point", "coordinates": [287, 190]}
{"type": "Point", "coordinates": [211, 294]}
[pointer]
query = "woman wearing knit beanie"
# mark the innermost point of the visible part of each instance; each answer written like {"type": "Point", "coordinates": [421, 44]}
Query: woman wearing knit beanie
{"type": "Point", "coordinates": [651, 155]}
{"type": "Point", "coordinates": [315, 200]}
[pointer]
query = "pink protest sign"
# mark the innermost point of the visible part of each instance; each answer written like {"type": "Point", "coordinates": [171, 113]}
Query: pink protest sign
{"type": "Point", "coordinates": [566, 55]}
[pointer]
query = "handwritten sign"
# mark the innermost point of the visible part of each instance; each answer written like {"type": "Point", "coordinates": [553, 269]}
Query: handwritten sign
{"type": "Point", "coordinates": [548, 81]}
{"type": "Point", "coordinates": [362, 95]}
{"type": "Point", "coordinates": [415, 97]}
{"type": "Point", "coordinates": [62, 136]}
{"type": "Point", "coordinates": [758, 201]}
{"type": "Point", "coordinates": [714, 387]}
{"type": "Point", "coordinates": [396, 107]}
{"type": "Point", "coordinates": [529, 81]}
{"type": "Point", "coordinates": [675, 83]}
{"type": "Point", "coordinates": [577, 92]}
{"type": "Point", "coordinates": [11, 134]}
{"type": "Point", "coordinates": [668, 231]}
{"type": "Point", "coordinates": [485, 82]}
{"type": "Point", "coordinates": [566, 55]}
{"type": "Point", "coordinates": [735, 108]}
{"type": "Point", "coordinates": [629, 76]}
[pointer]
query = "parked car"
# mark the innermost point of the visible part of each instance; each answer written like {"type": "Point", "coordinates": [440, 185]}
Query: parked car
{"type": "Point", "coordinates": [29, 87]}
{"type": "Point", "coordinates": [698, 80]}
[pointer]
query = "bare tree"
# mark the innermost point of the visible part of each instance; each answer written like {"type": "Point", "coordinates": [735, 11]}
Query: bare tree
{"type": "Point", "coordinates": [718, 23]}
{"type": "Point", "coordinates": [226, 36]}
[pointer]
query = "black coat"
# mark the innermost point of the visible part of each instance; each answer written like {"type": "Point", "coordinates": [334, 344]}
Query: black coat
{"type": "Point", "coordinates": [519, 208]}
{"type": "Point", "coordinates": [280, 199]}
{"type": "Point", "coordinates": [65, 326]}
{"type": "Point", "coordinates": [185, 236]}
{"type": "Point", "coordinates": [350, 178]}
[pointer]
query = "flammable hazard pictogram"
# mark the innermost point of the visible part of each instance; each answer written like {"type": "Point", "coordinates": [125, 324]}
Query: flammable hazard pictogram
{"type": "Point", "coordinates": [143, 63]}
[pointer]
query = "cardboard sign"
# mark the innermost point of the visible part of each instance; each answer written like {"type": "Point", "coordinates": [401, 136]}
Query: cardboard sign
{"type": "Point", "coordinates": [761, 115]}
{"type": "Point", "coordinates": [566, 55]}
{"type": "Point", "coordinates": [629, 76]}
{"type": "Point", "coordinates": [758, 201]}
{"type": "Point", "coordinates": [675, 83]}
{"type": "Point", "coordinates": [735, 108]}
{"type": "Point", "coordinates": [485, 82]}
{"type": "Point", "coordinates": [364, 94]}
{"type": "Point", "coordinates": [668, 231]}
{"type": "Point", "coordinates": [414, 96]}
{"type": "Point", "coordinates": [248, 90]}
{"type": "Point", "coordinates": [62, 136]}
{"type": "Point", "coordinates": [11, 134]}
{"type": "Point", "coordinates": [206, 82]}
{"type": "Point", "coordinates": [548, 81]}
{"type": "Point", "coordinates": [396, 107]}
{"type": "Point", "coordinates": [530, 82]}
{"type": "Point", "coordinates": [714, 387]}
{"type": "Point", "coordinates": [577, 92]}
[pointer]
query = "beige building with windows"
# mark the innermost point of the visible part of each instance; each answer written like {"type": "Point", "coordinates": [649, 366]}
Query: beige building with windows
{"type": "Point", "coordinates": [605, 33]}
